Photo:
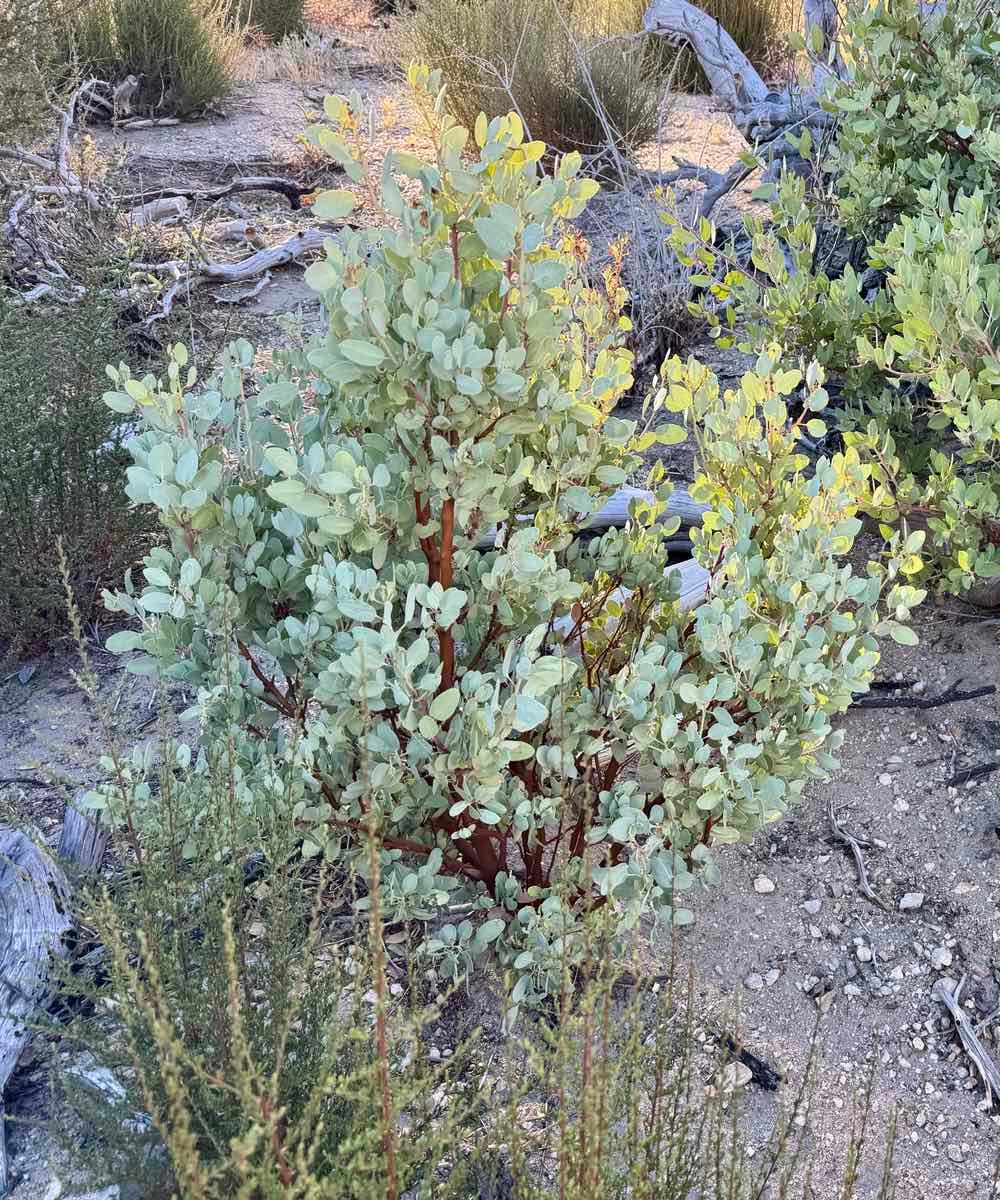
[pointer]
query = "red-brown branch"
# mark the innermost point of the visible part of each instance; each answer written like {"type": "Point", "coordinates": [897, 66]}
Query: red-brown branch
{"type": "Point", "coordinates": [273, 695]}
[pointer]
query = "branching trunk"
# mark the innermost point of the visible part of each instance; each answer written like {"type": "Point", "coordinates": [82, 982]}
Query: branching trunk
{"type": "Point", "coordinates": [760, 114]}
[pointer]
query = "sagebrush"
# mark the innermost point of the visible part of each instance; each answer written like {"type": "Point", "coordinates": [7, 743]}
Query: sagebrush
{"type": "Point", "coordinates": [184, 52]}
{"type": "Point", "coordinates": [274, 20]}
{"type": "Point", "coordinates": [575, 78]}
{"type": "Point", "coordinates": [61, 457]}
{"type": "Point", "coordinates": [30, 70]}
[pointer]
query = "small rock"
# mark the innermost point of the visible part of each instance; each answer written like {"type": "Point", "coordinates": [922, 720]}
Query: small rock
{"type": "Point", "coordinates": [885, 779]}
{"type": "Point", "coordinates": [852, 989]}
{"type": "Point", "coordinates": [911, 902]}
{"type": "Point", "coordinates": [755, 982]}
{"type": "Point", "coordinates": [734, 1075]}
{"type": "Point", "coordinates": [772, 977]}
{"type": "Point", "coordinates": [921, 1118]}
{"type": "Point", "coordinates": [955, 1153]}
{"type": "Point", "coordinates": [812, 906]}
{"type": "Point", "coordinates": [864, 954]}
{"type": "Point", "coordinates": [899, 805]}
{"type": "Point", "coordinates": [763, 886]}
{"type": "Point", "coordinates": [434, 1054]}
{"type": "Point", "coordinates": [941, 958]}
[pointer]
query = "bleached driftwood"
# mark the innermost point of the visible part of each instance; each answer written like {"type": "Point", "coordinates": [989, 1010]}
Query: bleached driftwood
{"type": "Point", "coordinates": [292, 191]}
{"type": "Point", "coordinates": [155, 211]}
{"type": "Point", "coordinates": [730, 74]}
{"type": "Point", "coordinates": [983, 1061]}
{"type": "Point", "coordinates": [83, 840]}
{"type": "Point", "coordinates": [614, 513]}
{"type": "Point", "coordinates": [34, 923]}
{"type": "Point", "coordinates": [35, 919]}
{"type": "Point", "coordinates": [761, 114]}
{"type": "Point", "coordinates": [291, 250]}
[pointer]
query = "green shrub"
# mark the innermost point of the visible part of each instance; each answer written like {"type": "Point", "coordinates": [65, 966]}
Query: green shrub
{"type": "Point", "coordinates": [888, 273]}
{"type": "Point", "coordinates": [274, 19]}
{"type": "Point", "coordinates": [536, 56]}
{"type": "Point", "coordinates": [544, 729]}
{"type": "Point", "coordinates": [28, 67]}
{"type": "Point", "coordinates": [254, 1041]}
{"type": "Point", "coordinates": [185, 51]}
{"type": "Point", "coordinates": [243, 1037]}
{"type": "Point", "coordinates": [61, 458]}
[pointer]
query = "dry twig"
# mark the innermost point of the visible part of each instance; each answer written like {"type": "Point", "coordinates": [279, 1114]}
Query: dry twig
{"type": "Point", "coordinates": [854, 845]}
{"type": "Point", "coordinates": [983, 1061]}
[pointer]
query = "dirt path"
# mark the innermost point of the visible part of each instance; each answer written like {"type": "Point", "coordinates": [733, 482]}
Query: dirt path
{"type": "Point", "coordinates": [791, 932]}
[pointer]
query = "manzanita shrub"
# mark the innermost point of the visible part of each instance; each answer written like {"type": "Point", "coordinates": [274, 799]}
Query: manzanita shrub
{"type": "Point", "coordinates": [900, 304]}
{"type": "Point", "coordinates": [373, 579]}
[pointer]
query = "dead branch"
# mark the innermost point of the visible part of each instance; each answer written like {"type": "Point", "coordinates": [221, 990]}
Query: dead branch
{"type": "Point", "coordinates": [970, 773]}
{"type": "Point", "coordinates": [292, 191]}
{"type": "Point", "coordinates": [291, 250]}
{"type": "Point", "coordinates": [716, 184]}
{"type": "Point", "coordinates": [731, 75]}
{"type": "Point", "coordinates": [951, 695]}
{"type": "Point", "coordinates": [951, 996]}
{"type": "Point", "coordinates": [854, 845]}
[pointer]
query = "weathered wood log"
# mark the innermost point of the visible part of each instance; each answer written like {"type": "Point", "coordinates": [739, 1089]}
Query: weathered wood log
{"type": "Point", "coordinates": [948, 993]}
{"type": "Point", "coordinates": [291, 250]}
{"type": "Point", "coordinates": [83, 840]}
{"type": "Point", "coordinates": [730, 74]}
{"type": "Point", "coordinates": [759, 113]}
{"type": "Point", "coordinates": [292, 191]}
{"type": "Point", "coordinates": [154, 211]}
{"type": "Point", "coordinates": [34, 923]}
{"type": "Point", "coordinates": [614, 514]}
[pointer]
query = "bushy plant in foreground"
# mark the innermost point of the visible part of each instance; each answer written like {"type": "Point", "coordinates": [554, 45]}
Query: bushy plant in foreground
{"type": "Point", "coordinates": [900, 306]}
{"type": "Point", "coordinates": [537, 728]}
{"type": "Point", "coordinates": [244, 1037]}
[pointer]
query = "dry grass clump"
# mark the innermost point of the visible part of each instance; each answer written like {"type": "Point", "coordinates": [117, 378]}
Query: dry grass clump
{"type": "Point", "coordinates": [309, 57]}
{"type": "Point", "coordinates": [185, 52]}
{"type": "Point", "coordinates": [570, 68]}
{"type": "Point", "coordinates": [273, 20]}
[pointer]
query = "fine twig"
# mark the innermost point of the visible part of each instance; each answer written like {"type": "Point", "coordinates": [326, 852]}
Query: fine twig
{"type": "Point", "coordinates": [988, 1070]}
{"type": "Point", "coordinates": [854, 845]}
{"type": "Point", "coordinates": [951, 695]}
{"type": "Point", "coordinates": [970, 773]}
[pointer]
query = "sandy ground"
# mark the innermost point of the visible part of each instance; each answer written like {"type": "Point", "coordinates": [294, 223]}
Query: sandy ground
{"type": "Point", "coordinates": [788, 933]}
